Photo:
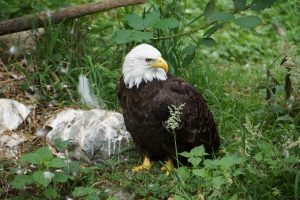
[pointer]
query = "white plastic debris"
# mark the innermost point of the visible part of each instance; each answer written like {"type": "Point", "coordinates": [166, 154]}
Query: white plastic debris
{"type": "Point", "coordinates": [96, 135]}
{"type": "Point", "coordinates": [12, 114]}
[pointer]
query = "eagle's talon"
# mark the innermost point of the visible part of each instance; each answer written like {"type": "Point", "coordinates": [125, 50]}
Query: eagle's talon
{"type": "Point", "coordinates": [168, 167]}
{"type": "Point", "coordinates": [146, 166]}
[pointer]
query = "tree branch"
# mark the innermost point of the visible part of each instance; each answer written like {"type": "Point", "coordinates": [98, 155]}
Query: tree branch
{"type": "Point", "coordinates": [26, 22]}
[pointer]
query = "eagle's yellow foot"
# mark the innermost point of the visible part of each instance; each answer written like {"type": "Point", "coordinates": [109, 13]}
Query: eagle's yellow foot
{"type": "Point", "coordinates": [145, 166]}
{"type": "Point", "coordinates": [168, 167]}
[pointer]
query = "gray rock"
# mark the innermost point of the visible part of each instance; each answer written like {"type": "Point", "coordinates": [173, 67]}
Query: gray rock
{"type": "Point", "coordinates": [96, 135]}
{"type": "Point", "coordinates": [12, 114]}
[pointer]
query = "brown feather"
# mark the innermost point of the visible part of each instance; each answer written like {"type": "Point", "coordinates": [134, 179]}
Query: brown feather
{"type": "Point", "coordinates": [145, 110]}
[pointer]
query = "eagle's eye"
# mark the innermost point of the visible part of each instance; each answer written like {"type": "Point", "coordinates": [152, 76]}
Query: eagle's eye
{"type": "Point", "coordinates": [149, 59]}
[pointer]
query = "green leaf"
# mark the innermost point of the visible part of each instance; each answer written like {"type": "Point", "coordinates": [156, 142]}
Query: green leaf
{"type": "Point", "coordinates": [198, 151]}
{"type": "Point", "coordinates": [258, 5]}
{"type": "Point", "coordinates": [195, 161]}
{"type": "Point", "coordinates": [208, 42]}
{"type": "Point", "coordinates": [189, 54]}
{"type": "Point", "coordinates": [135, 21]}
{"type": "Point", "coordinates": [44, 153]}
{"type": "Point", "coordinates": [123, 36]}
{"type": "Point", "coordinates": [57, 163]}
{"type": "Point", "coordinates": [199, 172]}
{"type": "Point", "coordinates": [208, 11]}
{"type": "Point", "coordinates": [183, 173]}
{"type": "Point", "coordinates": [258, 157]}
{"type": "Point", "coordinates": [229, 161]}
{"type": "Point", "coordinates": [61, 177]}
{"type": "Point", "coordinates": [151, 18]}
{"type": "Point", "coordinates": [41, 155]}
{"type": "Point", "coordinates": [140, 36]}
{"type": "Point", "coordinates": [186, 154]}
{"type": "Point", "coordinates": [50, 193]}
{"type": "Point", "coordinates": [239, 4]}
{"type": "Point", "coordinates": [248, 21]}
{"type": "Point", "coordinates": [41, 178]}
{"type": "Point", "coordinates": [234, 197]}
{"type": "Point", "coordinates": [167, 23]}
{"type": "Point", "coordinates": [82, 191]}
{"type": "Point", "coordinates": [222, 16]}
{"type": "Point", "coordinates": [218, 181]}
{"type": "Point", "coordinates": [212, 30]}
{"type": "Point", "coordinates": [21, 181]}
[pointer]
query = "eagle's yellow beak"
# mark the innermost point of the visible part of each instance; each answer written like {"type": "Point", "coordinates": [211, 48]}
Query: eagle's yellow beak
{"type": "Point", "coordinates": [161, 63]}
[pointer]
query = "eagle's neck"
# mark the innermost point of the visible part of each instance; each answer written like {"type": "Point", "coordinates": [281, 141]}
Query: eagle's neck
{"type": "Point", "coordinates": [135, 75]}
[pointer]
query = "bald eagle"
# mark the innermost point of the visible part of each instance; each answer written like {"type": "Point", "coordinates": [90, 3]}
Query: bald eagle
{"type": "Point", "coordinates": [146, 91]}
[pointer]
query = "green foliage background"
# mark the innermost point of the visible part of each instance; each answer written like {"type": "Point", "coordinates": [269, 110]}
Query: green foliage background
{"type": "Point", "coordinates": [223, 48]}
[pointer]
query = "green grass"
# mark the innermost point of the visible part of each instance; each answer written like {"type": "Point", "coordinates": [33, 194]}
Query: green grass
{"type": "Point", "coordinates": [231, 76]}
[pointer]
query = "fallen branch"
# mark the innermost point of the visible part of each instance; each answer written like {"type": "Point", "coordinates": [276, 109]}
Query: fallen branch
{"type": "Point", "coordinates": [38, 20]}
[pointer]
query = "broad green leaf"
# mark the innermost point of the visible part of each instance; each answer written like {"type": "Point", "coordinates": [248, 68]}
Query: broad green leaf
{"type": "Point", "coordinates": [218, 181]}
{"type": "Point", "coordinates": [57, 163]}
{"type": "Point", "coordinates": [186, 154]}
{"type": "Point", "coordinates": [258, 5]}
{"type": "Point", "coordinates": [208, 11]}
{"type": "Point", "coordinates": [31, 158]}
{"type": "Point", "coordinates": [21, 181]}
{"type": "Point", "coordinates": [199, 172]}
{"type": "Point", "coordinates": [195, 161]}
{"type": "Point", "coordinates": [50, 193]}
{"type": "Point", "coordinates": [208, 42]}
{"type": "Point", "coordinates": [189, 54]}
{"type": "Point", "coordinates": [221, 16]}
{"type": "Point", "coordinates": [135, 21]}
{"type": "Point", "coordinates": [258, 157]}
{"type": "Point", "coordinates": [212, 164]}
{"type": "Point", "coordinates": [248, 21]}
{"type": "Point", "coordinates": [73, 167]}
{"type": "Point", "coordinates": [42, 178]}
{"type": "Point", "coordinates": [212, 30]}
{"type": "Point", "coordinates": [41, 155]}
{"type": "Point", "coordinates": [82, 191]}
{"type": "Point", "coordinates": [61, 145]}
{"type": "Point", "coordinates": [198, 151]}
{"type": "Point", "coordinates": [140, 36]}
{"type": "Point", "coordinates": [151, 18]}
{"type": "Point", "coordinates": [229, 161]}
{"type": "Point", "coordinates": [123, 36]}
{"type": "Point", "coordinates": [167, 23]}
{"type": "Point", "coordinates": [61, 177]}
{"type": "Point", "coordinates": [239, 4]}
{"type": "Point", "coordinates": [44, 153]}
{"type": "Point", "coordinates": [183, 173]}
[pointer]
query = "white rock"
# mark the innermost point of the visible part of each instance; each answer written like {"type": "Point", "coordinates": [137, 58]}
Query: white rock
{"type": "Point", "coordinates": [12, 114]}
{"type": "Point", "coordinates": [96, 135]}
{"type": "Point", "coordinates": [9, 145]}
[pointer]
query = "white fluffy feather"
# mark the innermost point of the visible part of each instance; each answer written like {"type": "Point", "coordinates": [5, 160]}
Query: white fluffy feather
{"type": "Point", "coordinates": [136, 69]}
{"type": "Point", "coordinates": [87, 97]}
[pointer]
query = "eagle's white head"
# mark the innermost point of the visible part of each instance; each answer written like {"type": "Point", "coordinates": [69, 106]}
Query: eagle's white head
{"type": "Point", "coordinates": [143, 63]}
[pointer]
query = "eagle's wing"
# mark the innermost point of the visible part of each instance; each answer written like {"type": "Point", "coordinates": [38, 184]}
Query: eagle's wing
{"type": "Point", "coordinates": [197, 125]}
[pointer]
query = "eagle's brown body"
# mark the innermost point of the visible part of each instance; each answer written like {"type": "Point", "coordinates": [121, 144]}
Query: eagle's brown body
{"type": "Point", "coordinates": [145, 110]}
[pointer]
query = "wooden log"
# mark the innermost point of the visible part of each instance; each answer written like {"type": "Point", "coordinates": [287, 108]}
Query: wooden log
{"type": "Point", "coordinates": [38, 20]}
